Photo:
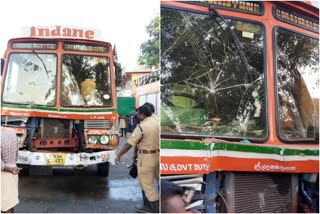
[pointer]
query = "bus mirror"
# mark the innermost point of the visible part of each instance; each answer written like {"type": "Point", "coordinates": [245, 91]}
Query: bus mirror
{"type": "Point", "coordinates": [118, 71]}
{"type": "Point", "coordinates": [2, 64]}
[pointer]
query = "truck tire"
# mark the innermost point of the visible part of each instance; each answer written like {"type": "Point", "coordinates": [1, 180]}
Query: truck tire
{"type": "Point", "coordinates": [103, 169]}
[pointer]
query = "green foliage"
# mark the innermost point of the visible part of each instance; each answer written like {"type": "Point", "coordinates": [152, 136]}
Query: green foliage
{"type": "Point", "coordinates": [149, 50]}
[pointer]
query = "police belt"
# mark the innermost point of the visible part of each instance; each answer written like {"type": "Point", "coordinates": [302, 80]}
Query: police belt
{"type": "Point", "coordinates": [148, 151]}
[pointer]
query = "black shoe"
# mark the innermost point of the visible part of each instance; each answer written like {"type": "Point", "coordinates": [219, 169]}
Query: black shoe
{"type": "Point", "coordinates": [154, 205]}
{"type": "Point", "coordinates": [143, 209]}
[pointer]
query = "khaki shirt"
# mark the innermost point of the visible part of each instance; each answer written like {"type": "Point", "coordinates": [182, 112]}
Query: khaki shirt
{"type": "Point", "coordinates": [151, 138]}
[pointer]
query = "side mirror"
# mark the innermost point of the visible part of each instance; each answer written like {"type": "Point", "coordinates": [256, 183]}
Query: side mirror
{"type": "Point", "coordinates": [2, 64]}
{"type": "Point", "coordinates": [118, 72]}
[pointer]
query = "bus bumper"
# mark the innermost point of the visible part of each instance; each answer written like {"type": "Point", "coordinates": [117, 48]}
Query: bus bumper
{"type": "Point", "coordinates": [65, 159]}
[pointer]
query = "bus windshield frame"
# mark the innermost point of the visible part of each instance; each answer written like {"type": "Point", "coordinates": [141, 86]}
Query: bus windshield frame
{"type": "Point", "coordinates": [186, 91]}
{"type": "Point", "coordinates": [86, 81]}
{"type": "Point", "coordinates": [297, 85]}
{"type": "Point", "coordinates": [31, 79]}
{"type": "Point", "coordinates": [34, 68]}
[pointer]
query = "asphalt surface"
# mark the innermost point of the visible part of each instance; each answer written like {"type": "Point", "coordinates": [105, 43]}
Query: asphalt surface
{"type": "Point", "coordinates": [48, 190]}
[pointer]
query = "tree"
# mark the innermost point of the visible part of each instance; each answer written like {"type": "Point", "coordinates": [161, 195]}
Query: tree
{"type": "Point", "coordinates": [149, 50]}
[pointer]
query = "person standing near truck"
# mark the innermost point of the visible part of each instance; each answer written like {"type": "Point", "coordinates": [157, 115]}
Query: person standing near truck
{"type": "Point", "coordinates": [123, 126]}
{"type": "Point", "coordinates": [135, 120]}
{"type": "Point", "coordinates": [151, 107]}
{"type": "Point", "coordinates": [9, 170]}
{"type": "Point", "coordinates": [145, 138]}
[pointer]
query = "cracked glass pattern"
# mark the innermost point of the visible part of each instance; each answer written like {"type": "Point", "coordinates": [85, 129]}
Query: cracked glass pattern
{"type": "Point", "coordinates": [86, 81]}
{"type": "Point", "coordinates": [31, 79]}
{"type": "Point", "coordinates": [206, 90]}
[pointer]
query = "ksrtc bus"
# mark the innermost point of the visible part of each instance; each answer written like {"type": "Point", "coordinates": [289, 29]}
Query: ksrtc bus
{"type": "Point", "coordinates": [240, 104]}
{"type": "Point", "coordinates": [59, 94]}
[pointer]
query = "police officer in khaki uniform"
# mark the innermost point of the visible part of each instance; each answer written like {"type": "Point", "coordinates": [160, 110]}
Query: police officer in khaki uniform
{"type": "Point", "coordinates": [146, 140]}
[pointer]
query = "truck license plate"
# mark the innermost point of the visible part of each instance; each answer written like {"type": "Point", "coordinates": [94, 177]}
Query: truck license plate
{"type": "Point", "coordinates": [55, 159]}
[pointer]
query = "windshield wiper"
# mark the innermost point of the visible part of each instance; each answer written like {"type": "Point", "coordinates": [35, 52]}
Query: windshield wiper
{"type": "Point", "coordinates": [45, 68]}
{"type": "Point", "coordinates": [225, 25]}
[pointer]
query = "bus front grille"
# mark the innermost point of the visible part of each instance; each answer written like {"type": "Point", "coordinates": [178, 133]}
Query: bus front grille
{"type": "Point", "coordinates": [55, 128]}
{"type": "Point", "coordinates": [96, 124]}
{"type": "Point", "coordinates": [261, 192]}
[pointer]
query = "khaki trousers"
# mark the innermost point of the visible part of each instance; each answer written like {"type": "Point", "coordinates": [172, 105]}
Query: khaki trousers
{"type": "Point", "coordinates": [148, 170]}
{"type": "Point", "coordinates": [9, 190]}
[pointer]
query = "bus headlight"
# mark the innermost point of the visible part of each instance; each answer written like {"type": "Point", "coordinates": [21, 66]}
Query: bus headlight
{"type": "Point", "coordinates": [104, 139]}
{"type": "Point", "coordinates": [93, 139]}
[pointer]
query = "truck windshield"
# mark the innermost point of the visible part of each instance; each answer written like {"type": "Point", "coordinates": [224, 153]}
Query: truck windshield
{"type": "Point", "coordinates": [298, 85]}
{"type": "Point", "coordinates": [31, 79]}
{"type": "Point", "coordinates": [206, 89]}
{"type": "Point", "coordinates": [86, 81]}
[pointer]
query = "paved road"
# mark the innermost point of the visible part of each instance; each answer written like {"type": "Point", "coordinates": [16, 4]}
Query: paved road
{"type": "Point", "coordinates": [69, 191]}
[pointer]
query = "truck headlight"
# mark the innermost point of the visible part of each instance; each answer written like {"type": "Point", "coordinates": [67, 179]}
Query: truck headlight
{"type": "Point", "coordinates": [104, 139]}
{"type": "Point", "coordinates": [93, 139]}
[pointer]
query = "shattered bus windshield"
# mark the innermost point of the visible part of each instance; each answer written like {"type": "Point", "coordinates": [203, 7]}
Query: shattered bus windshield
{"type": "Point", "coordinates": [86, 80]}
{"type": "Point", "coordinates": [206, 89]}
{"type": "Point", "coordinates": [31, 79]}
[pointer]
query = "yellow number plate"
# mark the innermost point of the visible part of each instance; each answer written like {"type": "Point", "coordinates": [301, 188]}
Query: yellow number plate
{"type": "Point", "coordinates": [55, 159]}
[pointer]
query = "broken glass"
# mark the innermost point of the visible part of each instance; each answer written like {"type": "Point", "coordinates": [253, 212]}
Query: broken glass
{"type": "Point", "coordinates": [205, 88]}
{"type": "Point", "coordinates": [86, 81]}
{"type": "Point", "coordinates": [31, 79]}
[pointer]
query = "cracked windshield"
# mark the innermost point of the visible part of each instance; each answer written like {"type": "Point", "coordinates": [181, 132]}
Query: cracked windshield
{"type": "Point", "coordinates": [86, 80]}
{"type": "Point", "coordinates": [206, 90]}
{"type": "Point", "coordinates": [298, 84]}
{"type": "Point", "coordinates": [31, 79]}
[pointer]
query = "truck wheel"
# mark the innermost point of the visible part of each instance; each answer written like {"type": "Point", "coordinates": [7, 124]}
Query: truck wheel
{"type": "Point", "coordinates": [103, 169]}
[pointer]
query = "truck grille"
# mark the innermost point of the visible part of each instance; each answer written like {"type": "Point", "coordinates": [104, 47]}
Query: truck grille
{"type": "Point", "coordinates": [261, 192]}
{"type": "Point", "coordinates": [55, 128]}
{"type": "Point", "coordinates": [96, 124]}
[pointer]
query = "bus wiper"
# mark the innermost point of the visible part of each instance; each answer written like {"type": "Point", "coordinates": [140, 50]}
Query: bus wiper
{"type": "Point", "coordinates": [44, 65]}
{"type": "Point", "coordinates": [225, 25]}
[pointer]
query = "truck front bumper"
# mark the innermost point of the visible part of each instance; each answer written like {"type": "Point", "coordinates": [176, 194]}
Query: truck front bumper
{"type": "Point", "coordinates": [65, 159]}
